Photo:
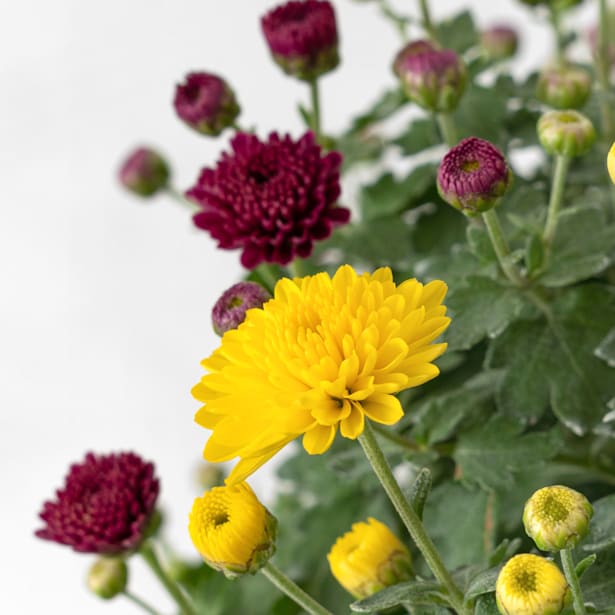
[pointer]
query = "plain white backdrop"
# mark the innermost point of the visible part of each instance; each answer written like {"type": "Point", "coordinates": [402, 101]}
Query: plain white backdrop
{"type": "Point", "coordinates": [105, 305]}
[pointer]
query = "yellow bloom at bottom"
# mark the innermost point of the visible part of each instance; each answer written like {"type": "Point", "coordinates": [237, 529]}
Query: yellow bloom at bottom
{"type": "Point", "coordinates": [531, 585]}
{"type": "Point", "coordinates": [232, 530]}
{"type": "Point", "coordinates": [369, 558]}
{"type": "Point", "coordinates": [610, 162]}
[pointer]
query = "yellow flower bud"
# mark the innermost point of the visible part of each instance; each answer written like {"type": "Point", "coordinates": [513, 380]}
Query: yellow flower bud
{"type": "Point", "coordinates": [557, 517]}
{"type": "Point", "coordinates": [531, 585]}
{"type": "Point", "coordinates": [232, 530]}
{"type": "Point", "coordinates": [610, 162]}
{"type": "Point", "coordinates": [108, 577]}
{"type": "Point", "coordinates": [369, 558]}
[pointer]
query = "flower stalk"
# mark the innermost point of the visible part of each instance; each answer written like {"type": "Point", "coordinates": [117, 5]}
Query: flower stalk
{"type": "Point", "coordinates": [573, 582]}
{"type": "Point", "coordinates": [413, 524]}
{"type": "Point", "coordinates": [448, 130]}
{"type": "Point", "coordinates": [427, 21]}
{"type": "Point", "coordinates": [603, 69]}
{"type": "Point", "coordinates": [501, 248]}
{"type": "Point", "coordinates": [562, 162]}
{"type": "Point", "coordinates": [292, 590]}
{"type": "Point", "coordinates": [140, 602]}
{"type": "Point", "coordinates": [315, 98]}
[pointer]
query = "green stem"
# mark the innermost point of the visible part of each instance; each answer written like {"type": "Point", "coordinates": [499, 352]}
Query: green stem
{"type": "Point", "coordinates": [556, 23]}
{"type": "Point", "coordinates": [293, 591]}
{"type": "Point", "coordinates": [603, 69]}
{"type": "Point", "coordinates": [562, 163]}
{"type": "Point", "coordinates": [397, 20]}
{"type": "Point", "coordinates": [140, 603]}
{"type": "Point", "coordinates": [427, 21]}
{"type": "Point", "coordinates": [415, 527]}
{"type": "Point", "coordinates": [315, 96]}
{"type": "Point", "coordinates": [500, 245]}
{"type": "Point", "coordinates": [179, 198]}
{"type": "Point", "coordinates": [573, 582]}
{"type": "Point", "coordinates": [149, 555]}
{"type": "Point", "coordinates": [447, 127]}
{"type": "Point", "coordinates": [268, 276]}
{"type": "Point", "coordinates": [396, 439]}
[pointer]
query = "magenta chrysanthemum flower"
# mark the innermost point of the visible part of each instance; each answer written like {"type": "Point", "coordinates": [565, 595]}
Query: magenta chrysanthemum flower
{"type": "Point", "coordinates": [302, 37]}
{"type": "Point", "coordinates": [272, 199]}
{"type": "Point", "coordinates": [206, 103]}
{"type": "Point", "coordinates": [144, 172]}
{"type": "Point", "coordinates": [473, 176]}
{"type": "Point", "coordinates": [105, 505]}
{"type": "Point", "coordinates": [230, 310]}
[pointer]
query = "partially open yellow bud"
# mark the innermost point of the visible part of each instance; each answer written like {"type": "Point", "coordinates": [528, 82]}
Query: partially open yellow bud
{"type": "Point", "coordinates": [610, 162]}
{"type": "Point", "coordinates": [557, 517]}
{"type": "Point", "coordinates": [232, 530]}
{"type": "Point", "coordinates": [531, 585]}
{"type": "Point", "coordinates": [369, 558]}
{"type": "Point", "coordinates": [108, 577]}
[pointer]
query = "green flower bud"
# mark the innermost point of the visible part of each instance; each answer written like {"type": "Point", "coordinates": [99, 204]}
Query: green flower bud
{"type": "Point", "coordinates": [108, 577]}
{"type": "Point", "coordinates": [557, 518]}
{"type": "Point", "coordinates": [564, 87]}
{"type": "Point", "coordinates": [567, 133]}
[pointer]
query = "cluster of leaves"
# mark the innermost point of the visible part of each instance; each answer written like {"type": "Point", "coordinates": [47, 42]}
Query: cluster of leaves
{"type": "Point", "coordinates": [526, 397]}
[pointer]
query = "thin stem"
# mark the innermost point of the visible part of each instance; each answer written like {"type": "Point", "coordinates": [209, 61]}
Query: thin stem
{"type": "Point", "coordinates": [140, 603]}
{"type": "Point", "coordinates": [427, 21]}
{"type": "Point", "coordinates": [315, 96]}
{"type": "Point", "coordinates": [573, 582]}
{"type": "Point", "coordinates": [396, 439]}
{"type": "Point", "coordinates": [398, 21]}
{"type": "Point", "coordinates": [413, 524]}
{"type": "Point", "coordinates": [500, 245]}
{"type": "Point", "coordinates": [179, 198]}
{"type": "Point", "coordinates": [149, 555]}
{"type": "Point", "coordinates": [556, 23]}
{"type": "Point", "coordinates": [447, 127]}
{"type": "Point", "coordinates": [557, 193]}
{"type": "Point", "coordinates": [293, 591]}
{"type": "Point", "coordinates": [603, 69]}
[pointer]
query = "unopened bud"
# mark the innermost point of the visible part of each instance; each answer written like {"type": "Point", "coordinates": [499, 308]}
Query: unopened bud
{"type": "Point", "coordinates": [566, 133]}
{"type": "Point", "coordinates": [144, 172]}
{"type": "Point", "coordinates": [564, 87]}
{"type": "Point", "coordinates": [230, 309]}
{"type": "Point", "coordinates": [108, 577]}
{"type": "Point", "coordinates": [499, 42]}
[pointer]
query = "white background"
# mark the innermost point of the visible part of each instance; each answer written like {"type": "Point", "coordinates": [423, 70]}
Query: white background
{"type": "Point", "coordinates": [105, 306]}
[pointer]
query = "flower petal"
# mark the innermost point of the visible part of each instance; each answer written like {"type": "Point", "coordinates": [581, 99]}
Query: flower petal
{"type": "Point", "coordinates": [384, 409]}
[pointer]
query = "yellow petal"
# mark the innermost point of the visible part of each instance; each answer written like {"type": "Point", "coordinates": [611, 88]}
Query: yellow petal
{"type": "Point", "coordinates": [352, 427]}
{"type": "Point", "coordinates": [384, 409]}
{"type": "Point", "coordinates": [318, 439]}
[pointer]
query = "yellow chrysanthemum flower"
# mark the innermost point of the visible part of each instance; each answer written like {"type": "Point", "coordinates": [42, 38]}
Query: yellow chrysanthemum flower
{"type": "Point", "coordinates": [323, 354]}
{"type": "Point", "coordinates": [610, 162]}
{"type": "Point", "coordinates": [232, 530]}
{"type": "Point", "coordinates": [557, 517]}
{"type": "Point", "coordinates": [531, 585]}
{"type": "Point", "coordinates": [369, 558]}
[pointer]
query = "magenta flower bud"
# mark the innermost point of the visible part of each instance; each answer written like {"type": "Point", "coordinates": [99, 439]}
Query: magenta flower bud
{"type": "Point", "coordinates": [302, 38]}
{"type": "Point", "coordinates": [433, 78]}
{"type": "Point", "coordinates": [565, 133]}
{"type": "Point", "coordinates": [144, 172]}
{"type": "Point", "coordinates": [105, 506]}
{"type": "Point", "coordinates": [230, 310]}
{"type": "Point", "coordinates": [206, 103]}
{"type": "Point", "coordinates": [564, 87]}
{"type": "Point", "coordinates": [499, 42]}
{"type": "Point", "coordinates": [473, 176]}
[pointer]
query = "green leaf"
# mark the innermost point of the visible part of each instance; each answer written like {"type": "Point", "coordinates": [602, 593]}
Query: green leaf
{"type": "Point", "coordinates": [491, 453]}
{"type": "Point", "coordinates": [480, 244]}
{"type": "Point", "coordinates": [606, 349]}
{"type": "Point", "coordinates": [410, 593]}
{"type": "Point", "coordinates": [583, 246]}
{"type": "Point", "coordinates": [534, 253]}
{"type": "Point", "coordinates": [420, 135]}
{"type": "Point", "coordinates": [505, 550]}
{"type": "Point", "coordinates": [388, 103]}
{"type": "Point", "coordinates": [582, 567]}
{"type": "Point", "coordinates": [484, 308]}
{"type": "Point", "coordinates": [481, 113]}
{"type": "Point", "coordinates": [598, 582]}
{"type": "Point", "coordinates": [420, 491]}
{"type": "Point", "coordinates": [482, 583]}
{"type": "Point", "coordinates": [486, 605]}
{"type": "Point", "coordinates": [459, 32]}
{"type": "Point", "coordinates": [602, 527]}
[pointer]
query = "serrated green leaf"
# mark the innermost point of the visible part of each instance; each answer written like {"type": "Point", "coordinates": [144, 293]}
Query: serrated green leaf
{"type": "Point", "coordinates": [458, 32]}
{"type": "Point", "coordinates": [419, 136]}
{"type": "Point", "coordinates": [420, 491]}
{"type": "Point", "coordinates": [602, 526]}
{"type": "Point", "coordinates": [534, 253]}
{"type": "Point", "coordinates": [481, 113]}
{"type": "Point", "coordinates": [491, 453]}
{"type": "Point", "coordinates": [480, 244]}
{"type": "Point", "coordinates": [410, 593]}
{"type": "Point", "coordinates": [582, 567]}
{"type": "Point", "coordinates": [486, 605]}
{"type": "Point", "coordinates": [385, 106]}
{"type": "Point", "coordinates": [505, 550]}
{"type": "Point", "coordinates": [483, 308]}
{"type": "Point", "coordinates": [482, 583]}
{"type": "Point", "coordinates": [606, 349]}
{"type": "Point", "coordinates": [598, 582]}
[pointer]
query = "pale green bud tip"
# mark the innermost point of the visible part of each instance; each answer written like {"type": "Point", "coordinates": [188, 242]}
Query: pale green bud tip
{"type": "Point", "coordinates": [566, 133]}
{"type": "Point", "coordinates": [564, 87]}
{"type": "Point", "coordinates": [557, 518]}
{"type": "Point", "coordinates": [108, 577]}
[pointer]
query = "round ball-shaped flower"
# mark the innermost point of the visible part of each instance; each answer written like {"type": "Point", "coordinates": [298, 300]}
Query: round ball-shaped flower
{"type": "Point", "coordinates": [144, 172]}
{"type": "Point", "coordinates": [610, 162]}
{"type": "Point", "coordinates": [321, 356]}
{"type": "Point", "coordinates": [108, 577]}
{"type": "Point", "coordinates": [473, 176]}
{"type": "Point", "coordinates": [434, 79]}
{"type": "Point", "coordinates": [557, 517]}
{"type": "Point", "coordinates": [302, 37]}
{"type": "Point", "coordinates": [232, 530]}
{"type": "Point", "coordinates": [531, 585]}
{"type": "Point", "coordinates": [272, 199]}
{"type": "Point", "coordinates": [105, 506]}
{"type": "Point", "coordinates": [564, 87]}
{"type": "Point", "coordinates": [499, 42]}
{"type": "Point", "coordinates": [565, 133]}
{"type": "Point", "coordinates": [230, 310]}
{"type": "Point", "coordinates": [206, 103]}
{"type": "Point", "coordinates": [369, 558]}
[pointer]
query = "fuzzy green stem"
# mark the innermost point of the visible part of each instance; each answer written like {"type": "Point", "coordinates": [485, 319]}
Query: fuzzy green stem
{"type": "Point", "coordinates": [557, 196]}
{"type": "Point", "coordinates": [500, 245]}
{"type": "Point", "coordinates": [603, 70]}
{"type": "Point", "coordinates": [148, 553]}
{"type": "Point", "coordinates": [573, 582]}
{"type": "Point", "coordinates": [293, 591]}
{"type": "Point", "coordinates": [427, 21]}
{"type": "Point", "coordinates": [414, 525]}
{"type": "Point", "coordinates": [448, 130]}
{"type": "Point", "coordinates": [315, 97]}
{"type": "Point", "coordinates": [556, 23]}
{"type": "Point", "coordinates": [140, 602]}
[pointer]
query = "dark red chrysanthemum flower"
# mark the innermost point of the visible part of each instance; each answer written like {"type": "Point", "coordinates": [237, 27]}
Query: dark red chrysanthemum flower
{"type": "Point", "coordinates": [272, 199]}
{"type": "Point", "coordinates": [105, 505]}
{"type": "Point", "coordinates": [302, 37]}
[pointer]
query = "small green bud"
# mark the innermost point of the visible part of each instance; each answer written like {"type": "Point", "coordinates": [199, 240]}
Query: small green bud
{"type": "Point", "coordinates": [108, 577]}
{"type": "Point", "coordinates": [557, 518]}
{"type": "Point", "coordinates": [564, 87]}
{"type": "Point", "coordinates": [567, 133]}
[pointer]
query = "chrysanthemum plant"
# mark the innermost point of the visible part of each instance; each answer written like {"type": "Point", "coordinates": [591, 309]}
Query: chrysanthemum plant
{"type": "Point", "coordinates": [424, 428]}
